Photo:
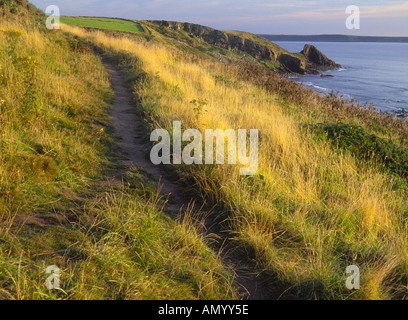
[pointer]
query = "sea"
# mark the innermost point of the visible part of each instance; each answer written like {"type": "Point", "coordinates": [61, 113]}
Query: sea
{"type": "Point", "coordinates": [372, 72]}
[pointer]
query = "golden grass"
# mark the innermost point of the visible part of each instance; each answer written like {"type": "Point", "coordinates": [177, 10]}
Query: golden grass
{"type": "Point", "coordinates": [329, 211]}
{"type": "Point", "coordinates": [110, 243]}
{"type": "Point", "coordinates": [46, 97]}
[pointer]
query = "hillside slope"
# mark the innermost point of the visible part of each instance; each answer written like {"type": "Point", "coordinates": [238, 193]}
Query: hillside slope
{"type": "Point", "coordinates": [330, 190]}
{"type": "Point", "coordinates": [244, 44]}
{"type": "Point", "coordinates": [68, 198]}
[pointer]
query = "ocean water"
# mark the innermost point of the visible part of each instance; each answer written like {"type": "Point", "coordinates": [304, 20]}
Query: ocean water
{"type": "Point", "coordinates": [374, 73]}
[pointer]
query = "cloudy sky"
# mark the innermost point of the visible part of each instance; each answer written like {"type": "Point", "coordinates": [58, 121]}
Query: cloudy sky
{"type": "Point", "coordinates": [378, 17]}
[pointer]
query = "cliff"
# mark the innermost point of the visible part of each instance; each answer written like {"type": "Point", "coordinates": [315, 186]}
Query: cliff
{"type": "Point", "coordinates": [310, 60]}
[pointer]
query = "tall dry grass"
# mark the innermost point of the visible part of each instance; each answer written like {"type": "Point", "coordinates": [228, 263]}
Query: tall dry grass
{"type": "Point", "coordinates": [44, 90]}
{"type": "Point", "coordinates": [309, 212]}
{"type": "Point", "coordinates": [55, 205]}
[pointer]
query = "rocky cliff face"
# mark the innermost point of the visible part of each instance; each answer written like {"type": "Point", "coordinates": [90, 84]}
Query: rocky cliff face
{"type": "Point", "coordinates": [222, 39]}
{"type": "Point", "coordinates": [315, 56]}
{"type": "Point", "coordinates": [310, 60]}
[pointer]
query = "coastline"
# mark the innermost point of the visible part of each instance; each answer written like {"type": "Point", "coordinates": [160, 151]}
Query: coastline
{"type": "Point", "coordinates": [372, 73]}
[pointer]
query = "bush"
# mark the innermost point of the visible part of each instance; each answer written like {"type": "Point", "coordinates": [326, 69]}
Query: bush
{"type": "Point", "coordinates": [366, 146]}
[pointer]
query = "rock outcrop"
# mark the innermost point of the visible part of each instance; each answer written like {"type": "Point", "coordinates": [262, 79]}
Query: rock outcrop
{"type": "Point", "coordinates": [310, 60]}
{"type": "Point", "coordinates": [316, 57]}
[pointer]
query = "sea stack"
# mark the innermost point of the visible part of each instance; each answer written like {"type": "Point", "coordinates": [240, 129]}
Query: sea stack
{"type": "Point", "coordinates": [314, 56]}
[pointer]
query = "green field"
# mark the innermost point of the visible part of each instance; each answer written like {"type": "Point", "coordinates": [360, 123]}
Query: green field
{"type": "Point", "coordinates": [103, 23]}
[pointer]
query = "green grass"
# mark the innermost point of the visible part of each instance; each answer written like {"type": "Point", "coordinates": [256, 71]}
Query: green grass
{"type": "Point", "coordinates": [58, 205]}
{"type": "Point", "coordinates": [116, 20]}
{"type": "Point", "coordinates": [103, 23]}
{"type": "Point", "coordinates": [391, 157]}
{"type": "Point", "coordinates": [311, 211]}
{"type": "Point", "coordinates": [114, 247]}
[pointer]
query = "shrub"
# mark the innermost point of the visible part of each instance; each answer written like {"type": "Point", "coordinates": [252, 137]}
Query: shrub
{"type": "Point", "coordinates": [366, 146]}
{"type": "Point", "coordinates": [198, 107]}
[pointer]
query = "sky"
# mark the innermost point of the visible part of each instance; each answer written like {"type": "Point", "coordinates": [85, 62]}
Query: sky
{"type": "Point", "coordinates": [377, 17]}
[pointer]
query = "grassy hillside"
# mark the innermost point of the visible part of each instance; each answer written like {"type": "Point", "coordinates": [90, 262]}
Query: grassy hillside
{"type": "Point", "coordinates": [330, 190]}
{"type": "Point", "coordinates": [318, 203]}
{"type": "Point", "coordinates": [66, 199]}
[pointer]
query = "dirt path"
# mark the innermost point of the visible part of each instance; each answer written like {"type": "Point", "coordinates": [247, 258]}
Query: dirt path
{"type": "Point", "coordinates": [127, 128]}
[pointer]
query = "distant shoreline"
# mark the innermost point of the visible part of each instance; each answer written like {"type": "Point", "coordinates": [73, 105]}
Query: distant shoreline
{"type": "Point", "coordinates": [333, 38]}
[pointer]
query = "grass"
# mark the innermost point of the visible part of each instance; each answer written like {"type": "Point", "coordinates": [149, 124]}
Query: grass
{"type": "Point", "coordinates": [115, 248]}
{"type": "Point", "coordinates": [65, 197]}
{"type": "Point", "coordinates": [311, 211]}
{"type": "Point", "coordinates": [103, 23]}
{"type": "Point", "coordinates": [367, 147]}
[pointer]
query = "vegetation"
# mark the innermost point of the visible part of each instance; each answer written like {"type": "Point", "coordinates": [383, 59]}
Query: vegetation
{"type": "Point", "coordinates": [316, 205]}
{"type": "Point", "coordinates": [66, 199]}
{"type": "Point", "coordinates": [103, 23]}
{"type": "Point", "coordinates": [309, 212]}
{"type": "Point", "coordinates": [367, 147]}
